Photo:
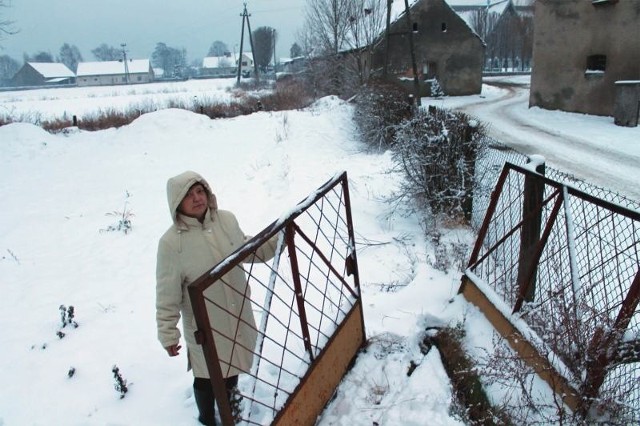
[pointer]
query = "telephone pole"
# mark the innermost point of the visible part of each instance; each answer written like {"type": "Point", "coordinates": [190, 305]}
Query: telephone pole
{"type": "Point", "coordinates": [386, 39]}
{"type": "Point", "coordinates": [416, 81]}
{"type": "Point", "coordinates": [245, 17]}
{"type": "Point", "coordinates": [126, 64]}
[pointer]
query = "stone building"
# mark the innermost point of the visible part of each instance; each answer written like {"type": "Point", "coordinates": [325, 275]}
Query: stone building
{"type": "Point", "coordinates": [581, 49]}
{"type": "Point", "coordinates": [446, 49]}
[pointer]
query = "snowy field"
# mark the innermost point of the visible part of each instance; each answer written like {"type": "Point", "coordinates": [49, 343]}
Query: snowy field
{"type": "Point", "coordinates": [56, 250]}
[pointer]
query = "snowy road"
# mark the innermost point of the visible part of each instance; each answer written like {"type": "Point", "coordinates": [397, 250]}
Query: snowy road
{"type": "Point", "coordinates": [596, 157]}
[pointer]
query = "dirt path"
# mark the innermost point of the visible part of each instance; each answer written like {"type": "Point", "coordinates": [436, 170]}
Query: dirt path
{"type": "Point", "coordinates": [607, 168]}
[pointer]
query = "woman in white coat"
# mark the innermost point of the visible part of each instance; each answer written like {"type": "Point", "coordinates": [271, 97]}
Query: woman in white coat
{"type": "Point", "coordinates": [201, 236]}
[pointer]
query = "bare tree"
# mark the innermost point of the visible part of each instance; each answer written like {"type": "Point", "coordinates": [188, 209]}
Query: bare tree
{"type": "Point", "coordinates": [105, 52]}
{"type": "Point", "coordinates": [263, 42]}
{"type": "Point", "coordinates": [6, 26]}
{"type": "Point", "coordinates": [327, 24]}
{"type": "Point", "coordinates": [70, 56]}
{"type": "Point", "coordinates": [295, 50]}
{"type": "Point", "coordinates": [39, 57]}
{"type": "Point", "coordinates": [173, 61]}
{"type": "Point", "coordinates": [509, 37]}
{"type": "Point", "coordinates": [218, 48]}
{"type": "Point", "coordinates": [8, 67]}
{"type": "Point", "coordinates": [366, 23]}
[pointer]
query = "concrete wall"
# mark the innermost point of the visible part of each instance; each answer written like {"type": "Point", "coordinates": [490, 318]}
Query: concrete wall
{"type": "Point", "coordinates": [567, 32]}
{"type": "Point", "coordinates": [110, 80]}
{"type": "Point", "coordinates": [445, 48]}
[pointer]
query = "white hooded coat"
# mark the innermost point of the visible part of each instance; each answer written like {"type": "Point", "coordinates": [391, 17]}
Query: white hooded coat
{"type": "Point", "coordinates": [187, 250]}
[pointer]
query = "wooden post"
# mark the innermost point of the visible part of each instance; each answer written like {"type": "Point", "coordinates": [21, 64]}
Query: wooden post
{"type": "Point", "coordinates": [386, 41]}
{"type": "Point", "coordinates": [530, 232]}
{"type": "Point", "coordinates": [244, 16]}
{"type": "Point", "coordinates": [416, 82]}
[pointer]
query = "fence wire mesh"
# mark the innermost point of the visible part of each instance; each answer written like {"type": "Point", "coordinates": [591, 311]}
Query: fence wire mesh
{"type": "Point", "coordinates": [299, 298]}
{"type": "Point", "coordinates": [577, 285]}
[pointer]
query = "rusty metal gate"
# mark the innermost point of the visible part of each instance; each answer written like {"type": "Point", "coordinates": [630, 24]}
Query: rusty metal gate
{"type": "Point", "coordinates": [567, 264]}
{"type": "Point", "coordinates": [307, 308]}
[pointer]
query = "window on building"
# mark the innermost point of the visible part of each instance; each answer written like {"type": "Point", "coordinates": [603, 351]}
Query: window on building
{"type": "Point", "coordinates": [596, 65]}
{"type": "Point", "coordinates": [415, 27]}
{"type": "Point", "coordinates": [443, 27]}
{"type": "Point", "coordinates": [430, 70]}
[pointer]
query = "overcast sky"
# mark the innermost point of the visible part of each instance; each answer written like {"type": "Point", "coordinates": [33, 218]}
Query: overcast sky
{"type": "Point", "coordinates": [44, 25]}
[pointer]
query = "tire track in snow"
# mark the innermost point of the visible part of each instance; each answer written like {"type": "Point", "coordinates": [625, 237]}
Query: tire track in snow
{"type": "Point", "coordinates": [613, 169]}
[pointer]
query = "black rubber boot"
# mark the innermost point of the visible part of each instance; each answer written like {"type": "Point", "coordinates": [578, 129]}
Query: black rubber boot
{"type": "Point", "coordinates": [235, 398]}
{"type": "Point", "coordinates": [205, 401]}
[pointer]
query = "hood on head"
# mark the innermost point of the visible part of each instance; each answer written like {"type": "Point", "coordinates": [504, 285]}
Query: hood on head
{"type": "Point", "coordinates": [177, 188]}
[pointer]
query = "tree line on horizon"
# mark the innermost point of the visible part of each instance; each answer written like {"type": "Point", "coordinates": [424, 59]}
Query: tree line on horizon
{"type": "Point", "coordinates": [172, 60]}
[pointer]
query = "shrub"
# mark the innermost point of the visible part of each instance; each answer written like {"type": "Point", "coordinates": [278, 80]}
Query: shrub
{"type": "Point", "coordinates": [436, 150]}
{"type": "Point", "coordinates": [380, 107]}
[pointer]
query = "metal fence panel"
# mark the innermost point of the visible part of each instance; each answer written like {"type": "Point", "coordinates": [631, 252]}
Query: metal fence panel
{"type": "Point", "coordinates": [305, 301]}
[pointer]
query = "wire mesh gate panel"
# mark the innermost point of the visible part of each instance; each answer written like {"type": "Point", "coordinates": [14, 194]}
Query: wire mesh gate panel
{"type": "Point", "coordinates": [568, 264]}
{"type": "Point", "coordinates": [308, 323]}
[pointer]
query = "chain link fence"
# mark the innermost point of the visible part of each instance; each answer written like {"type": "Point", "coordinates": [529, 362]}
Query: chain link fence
{"type": "Point", "coordinates": [564, 255]}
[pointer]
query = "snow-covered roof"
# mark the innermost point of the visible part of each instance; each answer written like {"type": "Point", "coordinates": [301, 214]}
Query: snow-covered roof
{"type": "Point", "coordinates": [52, 69]}
{"type": "Point", "coordinates": [218, 62]}
{"type": "Point", "coordinates": [248, 55]}
{"type": "Point", "coordinates": [467, 8]}
{"type": "Point", "coordinates": [135, 66]}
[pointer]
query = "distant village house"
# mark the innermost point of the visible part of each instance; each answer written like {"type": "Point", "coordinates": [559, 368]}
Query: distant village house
{"type": "Point", "coordinates": [227, 65]}
{"type": "Point", "coordinates": [106, 73]}
{"type": "Point", "coordinates": [446, 50]}
{"type": "Point", "coordinates": [33, 74]}
{"type": "Point", "coordinates": [219, 66]}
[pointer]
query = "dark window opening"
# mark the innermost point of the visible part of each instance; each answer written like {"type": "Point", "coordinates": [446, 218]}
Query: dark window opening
{"type": "Point", "coordinates": [597, 63]}
{"type": "Point", "coordinates": [444, 27]}
{"type": "Point", "coordinates": [415, 27]}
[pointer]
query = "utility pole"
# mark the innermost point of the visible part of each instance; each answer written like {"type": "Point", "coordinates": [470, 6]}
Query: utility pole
{"type": "Point", "coordinates": [126, 64]}
{"type": "Point", "coordinates": [386, 37]}
{"type": "Point", "coordinates": [273, 36]}
{"type": "Point", "coordinates": [416, 81]}
{"type": "Point", "coordinates": [245, 16]}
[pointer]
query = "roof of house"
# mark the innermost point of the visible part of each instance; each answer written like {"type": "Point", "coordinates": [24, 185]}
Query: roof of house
{"type": "Point", "coordinates": [398, 9]}
{"type": "Point", "coordinates": [52, 69]}
{"type": "Point", "coordinates": [218, 62]}
{"type": "Point", "coordinates": [135, 66]}
{"type": "Point", "coordinates": [466, 8]}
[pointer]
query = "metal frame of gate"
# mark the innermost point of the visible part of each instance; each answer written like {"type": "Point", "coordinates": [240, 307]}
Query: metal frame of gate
{"type": "Point", "coordinates": [568, 264]}
{"type": "Point", "coordinates": [308, 311]}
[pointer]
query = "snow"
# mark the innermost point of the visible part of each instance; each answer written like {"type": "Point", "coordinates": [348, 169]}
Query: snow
{"type": "Point", "coordinates": [55, 249]}
{"type": "Point", "coordinates": [52, 69]}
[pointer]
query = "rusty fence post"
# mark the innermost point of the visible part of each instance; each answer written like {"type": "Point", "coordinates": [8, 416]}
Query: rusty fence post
{"type": "Point", "coordinates": [204, 337]}
{"type": "Point", "coordinates": [530, 232]}
{"type": "Point", "coordinates": [295, 272]}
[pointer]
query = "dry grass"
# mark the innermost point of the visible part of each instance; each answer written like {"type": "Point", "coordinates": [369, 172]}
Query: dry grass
{"type": "Point", "coordinates": [287, 95]}
{"type": "Point", "coordinates": [466, 383]}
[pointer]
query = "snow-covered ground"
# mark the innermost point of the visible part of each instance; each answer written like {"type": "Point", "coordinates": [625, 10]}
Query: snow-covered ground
{"type": "Point", "coordinates": [585, 146]}
{"type": "Point", "coordinates": [54, 250]}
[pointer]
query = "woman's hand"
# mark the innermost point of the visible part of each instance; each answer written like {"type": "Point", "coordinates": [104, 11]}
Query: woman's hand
{"type": "Point", "coordinates": [173, 350]}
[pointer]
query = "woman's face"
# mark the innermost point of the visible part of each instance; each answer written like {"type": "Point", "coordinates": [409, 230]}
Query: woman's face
{"type": "Point", "coordinates": [195, 203]}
